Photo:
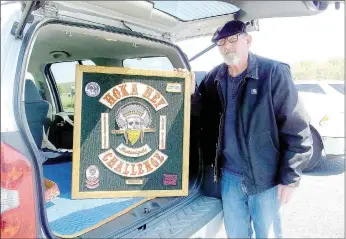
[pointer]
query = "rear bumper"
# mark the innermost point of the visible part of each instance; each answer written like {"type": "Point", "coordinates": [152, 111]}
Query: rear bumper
{"type": "Point", "coordinates": [334, 145]}
{"type": "Point", "coordinates": [213, 229]}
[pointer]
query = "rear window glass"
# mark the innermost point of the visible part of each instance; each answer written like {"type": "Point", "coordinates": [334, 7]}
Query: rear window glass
{"type": "Point", "coordinates": [64, 74]}
{"type": "Point", "coordinates": [194, 10]}
{"type": "Point", "coordinates": [338, 87]}
{"type": "Point", "coordinates": [310, 88]}
{"type": "Point", "coordinates": [149, 63]}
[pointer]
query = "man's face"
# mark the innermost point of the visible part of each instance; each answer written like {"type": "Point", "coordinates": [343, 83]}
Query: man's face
{"type": "Point", "coordinates": [234, 48]}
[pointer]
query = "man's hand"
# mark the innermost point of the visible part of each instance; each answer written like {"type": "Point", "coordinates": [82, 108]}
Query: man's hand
{"type": "Point", "coordinates": [285, 193]}
{"type": "Point", "coordinates": [193, 78]}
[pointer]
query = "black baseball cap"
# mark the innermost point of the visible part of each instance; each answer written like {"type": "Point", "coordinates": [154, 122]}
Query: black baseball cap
{"type": "Point", "coordinates": [230, 28]}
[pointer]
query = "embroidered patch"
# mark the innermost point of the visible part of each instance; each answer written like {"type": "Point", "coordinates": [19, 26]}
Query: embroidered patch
{"type": "Point", "coordinates": [162, 136]}
{"type": "Point", "coordinates": [170, 179]}
{"type": "Point", "coordinates": [92, 175]}
{"type": "Point", "coordinates": [126, 168]}
{"type": "Point", "coordinates": [134, 181]}
{"type": "Point", "coordinates": [174, 87]}
{"type": "Point", "coordinates": [133, 122]}
{"type": "Point", "coordinates": [92, 89]}
{"type": "Point", "coordinates": [104, 131]}
{"type": "Point", "coordinates": [133, 152]}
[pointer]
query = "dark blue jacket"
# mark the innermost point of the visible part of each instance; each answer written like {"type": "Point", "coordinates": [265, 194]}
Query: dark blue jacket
{"type": "Point", "coordinates": [272, 126]}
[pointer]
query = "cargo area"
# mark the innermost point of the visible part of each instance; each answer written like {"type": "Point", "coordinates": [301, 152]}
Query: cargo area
{"type": "Point", "coordinates": [73, 217]}
{"type": "Point", "coordinates": [69, 218]}
{"type": "Point", "coordinates": [51, 124]}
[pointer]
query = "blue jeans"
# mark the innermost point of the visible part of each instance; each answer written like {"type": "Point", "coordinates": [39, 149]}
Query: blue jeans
{"type": "Point", "coordinates": [262, 210]}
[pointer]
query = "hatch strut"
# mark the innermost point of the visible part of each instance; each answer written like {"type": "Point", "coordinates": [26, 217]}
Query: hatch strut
{"type": "Point", "coordinates": [29, 6]}
{"type": "Point", "coordinates": [202, 52]}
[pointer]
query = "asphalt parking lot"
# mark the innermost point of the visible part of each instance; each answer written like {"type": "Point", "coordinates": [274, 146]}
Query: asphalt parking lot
{"type": "Point", "coordinates": [317, 210]}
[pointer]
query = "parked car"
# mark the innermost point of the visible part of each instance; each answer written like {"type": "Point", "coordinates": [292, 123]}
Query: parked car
{"type": "Point", "coordinates": [324, 101]}
{"type": "Point", "coordinates": [47, 39]}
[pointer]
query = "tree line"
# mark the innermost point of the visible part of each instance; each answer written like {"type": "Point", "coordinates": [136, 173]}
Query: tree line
{"type": "Point", "coordinates": [331, 69]}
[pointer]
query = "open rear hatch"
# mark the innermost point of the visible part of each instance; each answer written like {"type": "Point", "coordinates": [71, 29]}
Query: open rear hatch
{"type": "Point", "coordinates": [132, 22]}
{"type": "Point", "coordinates": [180, 20]}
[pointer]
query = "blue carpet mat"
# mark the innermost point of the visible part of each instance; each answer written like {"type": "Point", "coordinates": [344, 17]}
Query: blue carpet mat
{"type": "Point", "coordinates": [72, 217]}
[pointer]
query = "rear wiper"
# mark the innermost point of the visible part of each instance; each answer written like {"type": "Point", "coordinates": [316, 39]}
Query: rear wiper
{"type": "Point", "coordinates": [202, 52]}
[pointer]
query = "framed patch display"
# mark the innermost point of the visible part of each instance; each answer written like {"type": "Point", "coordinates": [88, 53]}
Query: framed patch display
{"type": "Point", "coordinates": [131, 133]}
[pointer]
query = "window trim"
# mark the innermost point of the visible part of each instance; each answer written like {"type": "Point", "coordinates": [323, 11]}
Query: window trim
{"type": "Point", "coordinates": [54, 87]}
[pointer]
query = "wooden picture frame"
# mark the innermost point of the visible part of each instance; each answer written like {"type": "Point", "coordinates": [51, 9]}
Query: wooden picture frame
{"type": "Point", "coordinates": [131, 133]}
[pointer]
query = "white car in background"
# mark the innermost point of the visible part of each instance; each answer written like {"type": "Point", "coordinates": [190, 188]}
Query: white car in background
{"type": "Point", "coordinates": [324, 101]}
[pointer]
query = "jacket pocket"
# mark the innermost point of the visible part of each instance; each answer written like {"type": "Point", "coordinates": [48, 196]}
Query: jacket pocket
{"type": "Point", "coordinates": [264, 158]}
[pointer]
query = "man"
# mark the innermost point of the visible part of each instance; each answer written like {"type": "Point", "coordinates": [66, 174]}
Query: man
{"type": "Point", "coordinates": [254, 131]}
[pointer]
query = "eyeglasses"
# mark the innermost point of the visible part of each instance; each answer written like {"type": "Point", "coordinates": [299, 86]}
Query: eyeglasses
{"type": "Point", "coordinates": [230, 39]}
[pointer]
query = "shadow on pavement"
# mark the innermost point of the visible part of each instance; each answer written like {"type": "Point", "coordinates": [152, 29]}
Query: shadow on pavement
{"type": "Point", "coordinates": [332, 165]}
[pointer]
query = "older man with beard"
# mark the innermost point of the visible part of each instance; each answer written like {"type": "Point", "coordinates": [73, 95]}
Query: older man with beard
{"type": "Point", "coordinates": [254, 132]}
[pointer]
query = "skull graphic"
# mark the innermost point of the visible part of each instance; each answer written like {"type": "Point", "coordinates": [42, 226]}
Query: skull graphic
{"type": "Point", "coordinates": [133, 118]}
{"type": "Point", "coordinates": [134, 122]}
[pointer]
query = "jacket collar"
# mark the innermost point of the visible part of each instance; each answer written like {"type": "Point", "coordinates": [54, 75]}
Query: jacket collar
{"type": "Point", "coordinates": [252, 69]}
{"type": "Point", "coordinates": [222, 72]}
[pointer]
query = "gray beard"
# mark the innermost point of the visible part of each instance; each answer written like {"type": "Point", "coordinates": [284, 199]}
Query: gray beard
{"type": "Point", "coordinates": [231, 59]}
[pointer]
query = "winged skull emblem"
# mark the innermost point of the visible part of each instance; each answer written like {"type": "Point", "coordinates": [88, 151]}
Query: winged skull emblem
{"type": "Point", "coordinates": [134, 120]}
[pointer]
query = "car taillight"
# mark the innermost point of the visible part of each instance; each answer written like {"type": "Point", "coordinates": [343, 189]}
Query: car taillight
{"type": "Point", "coordinates": [18, 219]}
